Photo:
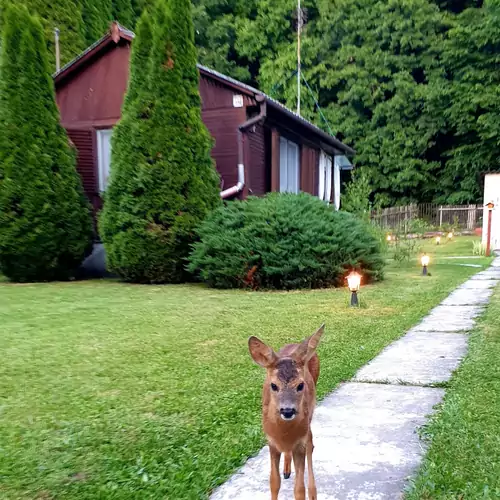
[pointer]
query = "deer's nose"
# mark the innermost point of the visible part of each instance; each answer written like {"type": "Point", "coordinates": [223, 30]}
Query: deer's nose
{"type": "Point", "coordinates": [288, 413]}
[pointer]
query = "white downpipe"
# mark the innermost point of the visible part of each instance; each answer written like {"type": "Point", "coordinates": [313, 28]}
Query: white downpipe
{"type": "Point", "coordinates": [238, 186]}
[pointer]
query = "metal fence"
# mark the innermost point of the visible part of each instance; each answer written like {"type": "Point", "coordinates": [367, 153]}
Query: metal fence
{"type": "Point", "coordinates": [464, 217]}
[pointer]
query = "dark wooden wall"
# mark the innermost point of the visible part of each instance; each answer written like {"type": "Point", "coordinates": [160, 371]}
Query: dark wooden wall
{"type": "Point", "coordinates": [259, 178]}
{"type": "Point", "coordinates": [222, 120]}
{"type": "Point", "coordinates": [93, 97]}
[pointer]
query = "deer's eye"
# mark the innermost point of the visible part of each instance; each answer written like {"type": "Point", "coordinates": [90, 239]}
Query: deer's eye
{"type": "Point", "coordinates": [300, 387]}
{"type": "Point", "coordinates": [274, 387]}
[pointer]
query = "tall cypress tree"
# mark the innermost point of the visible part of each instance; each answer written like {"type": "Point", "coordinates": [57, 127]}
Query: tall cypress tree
{"type": "Point", "coordinates": [97, 15]}
{"type": "Point", "coordinates": [123, 12]}
{"type": "Point", "coordinates": [164, 183]}
{"type": "Point", "coordinates": [45, 223]}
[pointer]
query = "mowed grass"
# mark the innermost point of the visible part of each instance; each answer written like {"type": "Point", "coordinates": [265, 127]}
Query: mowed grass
{"type": "Point", "coordinates": [463, 461]}
{"type": "Point", "coordinates": [115, 391]}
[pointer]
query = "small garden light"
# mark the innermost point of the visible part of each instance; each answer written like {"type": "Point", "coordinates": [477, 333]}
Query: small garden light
{"type": "Point", "coordinates": [425, 262]}
{"type": "Point", "coordinates": [353, 282]}
{"type": "Point", "coordinates": [438, 240]}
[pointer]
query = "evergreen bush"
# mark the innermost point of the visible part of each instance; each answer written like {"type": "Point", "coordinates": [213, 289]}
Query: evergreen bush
{"type": "Point", "coordinates": [163, 181]}
{"type": "Point", "coordinates": [284, 241]}
{"type": "Point", "coordinates": [45, 221]}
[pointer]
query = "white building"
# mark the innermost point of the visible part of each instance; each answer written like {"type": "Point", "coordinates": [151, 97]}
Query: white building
{"type": "Point", "coordinates": [492, 194]}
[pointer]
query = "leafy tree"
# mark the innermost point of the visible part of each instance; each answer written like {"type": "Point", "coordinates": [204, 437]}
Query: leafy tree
{"type": "Point", "coordinates": [45, 223]}
{"type": "Point", "coordinates": [470, 102]}
{"type": "Point", "coordinates": [376, 62]}
{"type": "Point", "coordinates": [164, 182]}
{"type": "Point", "coordinates": [96, 16]}
{"type": "Point", "coordinates": [63, 14]}
{"type": "Point", "coordinates": [123, 12]}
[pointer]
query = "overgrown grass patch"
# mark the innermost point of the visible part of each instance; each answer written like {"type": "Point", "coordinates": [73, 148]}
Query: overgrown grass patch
{"type": "Point", "coordinates": [116, 391]}
{"type": "Point", "coordinates": [463, 461]}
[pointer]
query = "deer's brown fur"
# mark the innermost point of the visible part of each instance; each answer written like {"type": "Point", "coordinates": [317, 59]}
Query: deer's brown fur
{"type": "Point", "coordinates": [288, 402]}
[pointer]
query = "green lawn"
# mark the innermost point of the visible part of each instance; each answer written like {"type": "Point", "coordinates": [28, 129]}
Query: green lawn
{"type": "Point", "coordinates": [463, 461]}
{"type": "Point", "coordinates": [114, 391]}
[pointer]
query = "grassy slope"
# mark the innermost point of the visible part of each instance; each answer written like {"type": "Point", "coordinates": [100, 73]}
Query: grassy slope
{"type": "Point", "coordinates": [118, 391]}
{"type": "Point", "coordinates": [463, 461]}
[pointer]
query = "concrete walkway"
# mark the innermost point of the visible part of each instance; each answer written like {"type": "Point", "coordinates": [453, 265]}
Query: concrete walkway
{"type": "Point", "coordinates": [365, 432]}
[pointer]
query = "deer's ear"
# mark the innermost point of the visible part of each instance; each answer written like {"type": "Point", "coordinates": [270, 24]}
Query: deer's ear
{"type": "Point", "coordinates": [261, 353]}
{"type": "Point", "coordinates": [306, 349]}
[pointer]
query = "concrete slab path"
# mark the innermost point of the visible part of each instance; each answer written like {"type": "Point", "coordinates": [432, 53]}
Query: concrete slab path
{"type": "Point", "coordinates": [365, 432]}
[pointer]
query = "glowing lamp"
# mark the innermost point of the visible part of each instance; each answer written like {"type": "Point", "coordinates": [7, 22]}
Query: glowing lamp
{"type": "Point", "coordinates": [354, 282]}
{"type": "Point", "coordinates": [438, 240]}
{"type": "Point", "coordinates": [425, 262]}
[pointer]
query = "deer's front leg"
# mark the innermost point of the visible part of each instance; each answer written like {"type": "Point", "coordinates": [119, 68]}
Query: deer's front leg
{"type": "Point", "coordinates": [299, 462]}
{"type": "Point", "coordinates": [275, 479]}
{"type": "Point", "coordinates": [311, 482]}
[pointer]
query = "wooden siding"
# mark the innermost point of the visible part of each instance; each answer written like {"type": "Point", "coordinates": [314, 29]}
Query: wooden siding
{"type": "Point", "coordinates": [94, 95]}
{"type": "Point", "coordinates": [214, 95]}
{"type": "Point", "coordinates": [222, 121]}
{"type": "Point", "coordinates": [309, 170]}
{"type": "Point", "coordinates": [259, 181]}
{"type": "Point", "coordinates": [86, 158]}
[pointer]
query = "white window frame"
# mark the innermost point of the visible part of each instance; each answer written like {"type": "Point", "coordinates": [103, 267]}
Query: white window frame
{"type": "Point", "coordinates": [325, 177]}
{"type": "Point", "coordinates": [104, 156]}
{"type": "Point", "coordinates": [289, 174]}
{"type": "Point", "coordinates": [336, 181]}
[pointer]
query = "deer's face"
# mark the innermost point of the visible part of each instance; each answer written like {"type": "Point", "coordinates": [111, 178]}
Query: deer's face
{"type": "Point", "coordinates": [285, 378]}
{"type": "Point", "coordinates": [286, 384]}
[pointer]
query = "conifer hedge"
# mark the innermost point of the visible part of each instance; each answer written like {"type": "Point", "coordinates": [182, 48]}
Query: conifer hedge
{"type": "Point", "coordinates": [284, 241]}
{"type": "Point", "coordinates": [163, 181]}
{"type": "Point", "coordinates": [45, 221]}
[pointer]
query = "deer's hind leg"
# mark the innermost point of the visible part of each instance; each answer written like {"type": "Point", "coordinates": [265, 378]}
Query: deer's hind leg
{"type": "Point", "coordinates": [287, 469]}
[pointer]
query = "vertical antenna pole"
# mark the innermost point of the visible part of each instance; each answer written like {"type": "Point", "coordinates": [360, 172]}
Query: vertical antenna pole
{"type": "Point", "coordinates": [58, 53]}
{"type": "Point", "coordinates": [299, 30]}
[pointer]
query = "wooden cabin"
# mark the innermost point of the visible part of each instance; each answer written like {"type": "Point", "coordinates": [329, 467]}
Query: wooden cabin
{"type": "Point", "coordinates": [260, 145]}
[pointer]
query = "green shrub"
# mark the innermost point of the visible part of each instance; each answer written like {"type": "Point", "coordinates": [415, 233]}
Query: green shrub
{"type": "Point", "coordinates": [283, 241]}
{"type": "Point", "coordinates": [163, 181]}
{"type": "Point", "coordinates": [45, 222]}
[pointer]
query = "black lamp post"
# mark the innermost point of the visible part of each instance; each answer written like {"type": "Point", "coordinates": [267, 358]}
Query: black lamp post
{"type": "Point", "coordinates": [425, 262]}
{"type": "Point", "coordinates": [353, 282]}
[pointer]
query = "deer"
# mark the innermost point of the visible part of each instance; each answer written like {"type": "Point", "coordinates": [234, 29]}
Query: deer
{"type": "Point", "coordinates": [288, 402]}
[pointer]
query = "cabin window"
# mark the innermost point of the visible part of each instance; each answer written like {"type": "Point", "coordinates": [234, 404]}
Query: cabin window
{"type": "Point", "coordinates": [325, 177]}
{"type": "Point", "coordinates": [104, 157]}
{"type": "Point", "coordinates": [289, 166]}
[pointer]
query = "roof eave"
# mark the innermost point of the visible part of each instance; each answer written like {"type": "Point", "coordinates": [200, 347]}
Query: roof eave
{"type": "Point", "coordinates": [115, 34]}
{"type": "Point", "coordinates": [327, 138]}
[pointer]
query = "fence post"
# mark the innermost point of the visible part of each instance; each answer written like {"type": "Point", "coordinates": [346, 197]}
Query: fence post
{"type": "Point", "coordinates": [470, 217]}
{"type": "Point", "coordinates": [440, 215]}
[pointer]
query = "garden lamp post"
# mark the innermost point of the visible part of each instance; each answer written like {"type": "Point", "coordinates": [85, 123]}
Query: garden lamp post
{"type": "Point", "coordinates": [425, 262]}
{"type": "Point", "coordinates": [353, 282]}
{"type": "Point", "coordinates": [490, 207]}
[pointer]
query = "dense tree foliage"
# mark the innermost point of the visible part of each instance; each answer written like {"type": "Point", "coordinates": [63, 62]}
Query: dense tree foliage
{"type": "Point", "coordinates": [409, 83]}
{"type": "Point", "coordinates": [45, 223]}
{"type": "Point", "coordinates": [163, 180]}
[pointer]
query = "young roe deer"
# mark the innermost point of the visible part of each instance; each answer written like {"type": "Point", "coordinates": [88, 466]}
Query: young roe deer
{"type": "Point", "coordinates": [288, 401]}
